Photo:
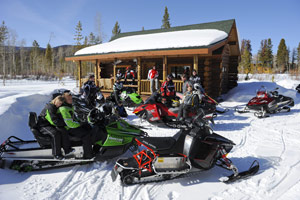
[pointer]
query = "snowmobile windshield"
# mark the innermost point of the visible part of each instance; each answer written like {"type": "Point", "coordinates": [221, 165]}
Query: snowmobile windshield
{"type": "Point", "coordinates": [261, 95]}
{"type": "Point", "coordinates": [153, 98]}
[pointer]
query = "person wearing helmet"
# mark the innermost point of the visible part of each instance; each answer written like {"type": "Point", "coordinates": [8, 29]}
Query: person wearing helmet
{"type": "Point", "coordinates": [190, 102]}
{"type": "Point", "coordinates": [199, 90]}
{"type": "Point", "coordinates": [117, 90]}
{"type": "Point", "coordinates": [168, 90]}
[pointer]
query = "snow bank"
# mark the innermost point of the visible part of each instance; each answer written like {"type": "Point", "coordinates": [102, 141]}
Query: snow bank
{"type": "Point", "coordinates": [176, 39]}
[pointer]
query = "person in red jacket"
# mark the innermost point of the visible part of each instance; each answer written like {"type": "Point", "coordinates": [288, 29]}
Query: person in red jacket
{"type": "Point", "coordinates": [153, 77]}
{"type": "Point", "coordinates": [129, 74]}
{"type": "Point", "coordinates": [168, 90]}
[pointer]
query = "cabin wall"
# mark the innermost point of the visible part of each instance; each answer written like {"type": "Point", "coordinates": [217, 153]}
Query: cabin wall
{"type": "Point", "coordinates": [233, 71]}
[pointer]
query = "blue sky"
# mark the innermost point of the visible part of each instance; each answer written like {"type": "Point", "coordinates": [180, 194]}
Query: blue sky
{"type": "Point", "coordinates": [256, 19]}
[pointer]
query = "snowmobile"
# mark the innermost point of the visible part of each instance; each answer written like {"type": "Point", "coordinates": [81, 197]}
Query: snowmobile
{"type": "Point", "coordinates": [298, 88]}
{"type": "Point", "coordinates": [265, 103]}
{"type": "Point", "coordinates": [154, 111]}
{"type": "Point", "coordinates": [128, 97]}
{"type": "Point", "coordinates": [117, 136]}
{"type": "Point", "coordinates": [193, 149]}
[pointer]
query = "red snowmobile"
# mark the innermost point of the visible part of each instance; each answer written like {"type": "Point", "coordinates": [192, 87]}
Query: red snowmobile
{"type": "Point", "coordinates": [265, 103]}
{"type": "Point", "coordinates": [154, 111]}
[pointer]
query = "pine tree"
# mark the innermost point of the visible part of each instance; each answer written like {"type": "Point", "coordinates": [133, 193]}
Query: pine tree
{"type": "Point", "coordinates": [246, 57]}
{"type": "Point", "coordinates": [34, 57]}
{"type": "Point", "coordinates": [269, 53]}
{"type": "Point", "coordinates": [288, 51]}
{"type": "Point", "coordinates": [3, 38]}
{"type": "Point", "coordinates": [86, 42]}
{"type": "Point", "coordinates": [92, 39]}
{"type": "Point", "coordinates": [116, 30]}
{"type": "Point", "coordinates": [293, 58]}
{"type": "Point", "coordinates": [282, 56]}
{"type": "Point", "coordinates": [78, 36]}
{"type": "Point", "coordinates": [262, 52]}
{"type": "Point", "coordinates": [143, 28]}
{"type": "Point", "coordinates": [298, 55]}
{"type": "Point", "coordinates": [166, 19]}
{"type": "Point", "coordinates": [48, 58]}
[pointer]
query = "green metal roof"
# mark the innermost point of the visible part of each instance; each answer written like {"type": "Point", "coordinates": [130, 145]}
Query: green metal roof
{"type": "Point", "coordinates": [219, 25]}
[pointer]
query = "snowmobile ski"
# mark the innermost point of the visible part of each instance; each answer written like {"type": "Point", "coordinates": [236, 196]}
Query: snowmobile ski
{"type": "Point", "coordinates": [253, 169]}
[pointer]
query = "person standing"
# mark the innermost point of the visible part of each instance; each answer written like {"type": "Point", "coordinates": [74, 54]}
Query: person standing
{"type": "Point", "coordinates": [184, 83]}
{"type": "Point", "coordinates": [119, 75]}
{"type": "Point", "coordinates": [153, 77]}
{"type": "Point", "coordinates": [168, 90]}
{"type": "Point", "coordinates": [129, 74]}
{"type": "Point", "coordinates": [195, 78]}
{"type": "Point", "coordinates": [117, 90]}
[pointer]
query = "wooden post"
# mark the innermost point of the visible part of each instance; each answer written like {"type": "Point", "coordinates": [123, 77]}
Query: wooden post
{"type": "Point", "coordinates": [99, 71]}
{"type": "Point", "coordinates": [115, 71]}
{"type": "Point", "coordinates": [139, 74]}
{"type": "Point", "coordinates": [79, 73]}
{"type": "Point", "coordinates": [96, 73]}
{"type": "Point", "coordinates": [196, 63]}
{"type": "Point", "coordinates": [165, 67]}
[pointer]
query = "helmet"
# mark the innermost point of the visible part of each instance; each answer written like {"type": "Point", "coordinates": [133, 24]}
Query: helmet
{"type": "Point", "coordinates": [118, 86]}
{"type": "Point", "coordinates": [175, 103]}
{"type": "Point", "coordinates": [95, 115]}
{"type": "Point", "coordinates": [197, 86]}
{"type": "Point", "coordinates": [106, 108]}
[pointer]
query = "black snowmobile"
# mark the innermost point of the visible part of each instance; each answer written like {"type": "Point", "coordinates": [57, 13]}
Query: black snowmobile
{"type": "Point", "coordinates": [194, 148]}
{"type": "Point", "coordinates": [265, 103]}
{"type": "Point", "coordinates": [111, 137]}
{"type": "Point", "coordinates": [298, 88]}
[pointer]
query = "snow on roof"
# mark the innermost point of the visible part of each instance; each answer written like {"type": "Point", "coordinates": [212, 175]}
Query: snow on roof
{"type": "Point", "coordinates": [156, 41]}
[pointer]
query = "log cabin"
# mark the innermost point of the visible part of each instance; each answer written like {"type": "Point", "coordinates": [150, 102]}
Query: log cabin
{"type": "Point", "coordinates": [210, 48]}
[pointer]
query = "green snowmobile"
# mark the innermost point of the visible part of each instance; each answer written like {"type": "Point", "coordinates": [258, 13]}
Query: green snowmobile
{"type": "Point", "coordinates": [112, 137]}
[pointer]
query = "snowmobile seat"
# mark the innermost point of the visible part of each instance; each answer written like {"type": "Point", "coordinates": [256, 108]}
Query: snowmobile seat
{"type": "Point", "coordinates": [43, 140]}
{"type": "Point", "coordinates": [158, 143]}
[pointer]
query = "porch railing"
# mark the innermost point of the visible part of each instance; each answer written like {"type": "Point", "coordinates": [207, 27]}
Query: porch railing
{"type": "Point", "coordinates": [107, 84]}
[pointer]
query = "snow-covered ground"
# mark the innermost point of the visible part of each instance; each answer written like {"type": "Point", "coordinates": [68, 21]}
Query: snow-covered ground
{"type": "Point", "coordinates": [273, 141]}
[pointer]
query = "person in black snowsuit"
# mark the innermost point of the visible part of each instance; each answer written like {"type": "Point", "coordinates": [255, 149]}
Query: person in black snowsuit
{"type": "Point", "coordinates": [190, 103]}
{"type": "Point", "coordinates": [195, 78]}
{"type": "Point", "coordinates": [168, 90]}
{"type": "Point", "coordinates": [129, 74]}
{"type": "Point", "coordinates": [50, 123]}
{"type": "Point", "coordinates": [90, 82]}
{"type": "Point", "coordinates": [119, 75]}
{"type": "Point", "coordinates": [117, 90]}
